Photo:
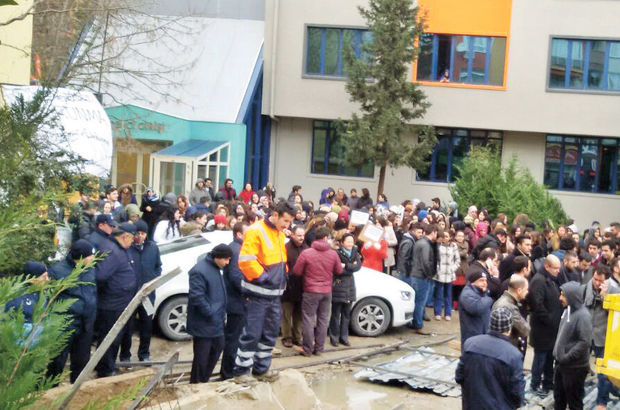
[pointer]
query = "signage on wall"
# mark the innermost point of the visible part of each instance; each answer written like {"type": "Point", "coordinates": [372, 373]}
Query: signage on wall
{"type": "Point", "coordinates": [126, 127]}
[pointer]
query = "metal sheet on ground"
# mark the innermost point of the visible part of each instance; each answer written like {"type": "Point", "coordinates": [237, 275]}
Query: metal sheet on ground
{"type": "Point", "coordinates": [433, 372]}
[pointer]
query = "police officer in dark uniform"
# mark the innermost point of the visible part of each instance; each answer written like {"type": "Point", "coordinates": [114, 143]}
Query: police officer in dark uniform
{"type": "Point", "coordinates": [34, 272]}
{"type": "Point", "coordinates": [83, 311]}
{"type": "Point", "coordinates": [147, 265]}
{"type": "Point", "coordinates": [116, 286]}
{"type": "Point", "coordinates": [105, 224]}
{"type": "Point", "coordinates": [206, 311]}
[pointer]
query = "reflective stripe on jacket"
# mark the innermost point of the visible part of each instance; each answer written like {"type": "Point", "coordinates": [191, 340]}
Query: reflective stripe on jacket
{"type": "Point", "coordinates": [262, 260]}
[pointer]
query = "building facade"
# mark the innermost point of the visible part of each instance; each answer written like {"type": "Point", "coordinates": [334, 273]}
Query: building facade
{"type": "Point", "coordinates": [539, 80]}
{"type": "Point", "coordinates": [15, 44]}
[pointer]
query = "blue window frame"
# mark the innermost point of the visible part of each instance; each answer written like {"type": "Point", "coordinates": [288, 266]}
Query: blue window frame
{"type": "Point", "coordinates": [465, 59]}
{"type": "Point", "coordinates": [452, 147]}
{"type": "Point", "coordinates": [580, 64]}
{"type": "Point", "coordinates": [328, 153]}
{"type": "Point", "coordinates": [325, 49]}
{"type": "Point", "coordinates": [584, 164]}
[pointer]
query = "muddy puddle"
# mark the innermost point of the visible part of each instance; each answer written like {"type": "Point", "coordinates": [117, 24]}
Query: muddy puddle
{"type": "Point", "coordinates": [338, 387]}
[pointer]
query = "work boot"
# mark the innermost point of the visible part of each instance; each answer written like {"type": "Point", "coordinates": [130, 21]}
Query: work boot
{"type": "Point", "coordinates": [268, 377]}
{"type": "Point", "coordinates": [245, 379]}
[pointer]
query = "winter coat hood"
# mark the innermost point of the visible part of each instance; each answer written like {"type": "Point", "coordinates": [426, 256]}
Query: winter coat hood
{"type": "Point", "coordinates": [574, 294]}
{"type": "Point", "coordinates": [321, 246]}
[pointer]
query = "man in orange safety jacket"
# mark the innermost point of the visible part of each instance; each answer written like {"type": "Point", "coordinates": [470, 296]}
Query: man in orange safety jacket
{"type": "Point", "coordinates": [262, 260]}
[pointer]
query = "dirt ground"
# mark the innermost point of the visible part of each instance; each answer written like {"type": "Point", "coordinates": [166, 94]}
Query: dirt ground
{"type": "Point", "coordinates": [332, 385]}
{"type": "Point", "coordinates": [335, 385]}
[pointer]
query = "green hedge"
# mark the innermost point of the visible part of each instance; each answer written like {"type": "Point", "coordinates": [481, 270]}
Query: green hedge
{"type": "Point", "coordinates": [484, 182]}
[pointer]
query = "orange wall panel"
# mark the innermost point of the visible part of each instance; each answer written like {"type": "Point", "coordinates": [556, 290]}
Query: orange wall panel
{"type": "Point", "coordinates": [473, 17]}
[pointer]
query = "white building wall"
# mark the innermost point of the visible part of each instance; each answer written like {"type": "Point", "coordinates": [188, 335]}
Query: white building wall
{"type": "Point", "coordinates": [525, 111]}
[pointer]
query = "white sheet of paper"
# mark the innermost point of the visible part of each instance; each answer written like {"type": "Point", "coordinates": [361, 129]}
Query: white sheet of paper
{"type": "Point", "coordinates": [373, 232]}
{"type": "Point", "coordinates": [359, 217]}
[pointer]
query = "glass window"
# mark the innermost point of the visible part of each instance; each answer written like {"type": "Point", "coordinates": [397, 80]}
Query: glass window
{"type": "Point", "coordinates": [608, 153]}
{"type": "Point", "coordinates": [452, 148]}
{"type": "Point", "coordinates": [576, 65]}
{"type": "Point", "coordinates": [425, 58]}
{"type": "Point", "coordinates": [332, 51]}
{"type": "Point", "coordinates": [559, 55]}
{"type": "Point", "coordinates": [328, 153]}
{"type": "Point", "coordinates": [585, 164]}
{"type": "Point", "coordinates": [223, 175]}
{"type": "Point", "coordinates": [224, 154]}
{"type": "Point", "coordinates": [553, 152]}
{"type": "Point", "coordinates": [597, 64]}
{"type": "Point", "coordinates": [462, 59]}
{"type": "Point", "coordinates": [613, 75]}
{"type": "Point", "coordinates": [585, 64]}
{"type": "Point", "coordinates": [325, 53]}
{"type": "Point", "coordinates": [313, 58]}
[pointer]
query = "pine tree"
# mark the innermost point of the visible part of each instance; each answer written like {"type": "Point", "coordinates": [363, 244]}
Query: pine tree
{"type": "Point", "coordinates": [389, 101]}
{"type": "Point", "coordinates": [510, 189]}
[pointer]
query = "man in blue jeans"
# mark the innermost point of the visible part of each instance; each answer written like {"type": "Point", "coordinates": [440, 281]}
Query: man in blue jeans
{"type": "Point", "coordinates": [405, 254]}
{"type": "Point", "coordinates": [422, 271]}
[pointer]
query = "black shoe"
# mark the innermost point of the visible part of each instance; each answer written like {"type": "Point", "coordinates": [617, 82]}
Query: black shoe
{"type": "Point", "coordinates": [126, 361]}
{"type": "Point", "coordinates": [333, 343]}
{"type": "Point", "coordinates": [345, 342]}
{"type": "Point", "coordinates": [316, 353]}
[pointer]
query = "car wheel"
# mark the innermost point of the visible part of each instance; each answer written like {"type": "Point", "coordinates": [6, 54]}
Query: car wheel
{"type": "Point", "coordinates": [172, 318]}
{"type": "Point", "coordinates": [370, 317]}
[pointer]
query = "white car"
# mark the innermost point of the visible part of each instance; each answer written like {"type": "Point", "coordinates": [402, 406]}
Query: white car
{"type": "Point", "coordinates": [382, 300]}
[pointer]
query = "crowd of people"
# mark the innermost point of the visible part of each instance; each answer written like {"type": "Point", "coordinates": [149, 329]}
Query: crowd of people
{"type": "Point", "coordinates": [289, 272]}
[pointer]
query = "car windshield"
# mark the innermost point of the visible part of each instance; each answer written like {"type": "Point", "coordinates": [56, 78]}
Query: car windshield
{"type": "Point", "coordinates": [183, 243]}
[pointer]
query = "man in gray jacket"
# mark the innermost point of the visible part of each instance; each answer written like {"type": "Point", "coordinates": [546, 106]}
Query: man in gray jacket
{"type": "Point", "coordinates": [422, 271]}
{"type": "Point", "coordinates": [593, 295]}
{"type": "Point", "coordinates": [198, 192]}
{"type": "Point", "coordinates": [512, 300]}
{"type": "Point", "coordinates": [572, 349]}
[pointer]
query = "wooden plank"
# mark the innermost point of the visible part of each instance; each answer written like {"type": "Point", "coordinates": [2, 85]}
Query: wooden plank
{"type": "Point", "coordinates": [166, 368]}
{"type": "Point", "coordinates": [129, 311]}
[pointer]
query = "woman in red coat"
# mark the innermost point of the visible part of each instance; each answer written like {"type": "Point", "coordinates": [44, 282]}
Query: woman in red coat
{"type": "Point", "coordinates": [246, 194]}
{"type": "Point", "coordinates": [374, 253]}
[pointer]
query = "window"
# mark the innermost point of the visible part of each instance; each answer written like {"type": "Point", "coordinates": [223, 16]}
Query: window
{"type": "Point", "coordinates": [452, 147]}
{"type": "Point", "coordinates": [592, 65]}
{"type": "Point", "coordinates": [328, 153]}
{"type": "Point", "coordinates": [582, 164]}
{"type": "Point", "coordinates": [462, 59]}
{"type": "Point", "coordinates": [325, 49]}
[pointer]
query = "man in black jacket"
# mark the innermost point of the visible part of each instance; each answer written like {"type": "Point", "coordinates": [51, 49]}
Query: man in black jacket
{"type": "Point", "coordinates": [116, 286]}
{"type": "Point", "coordinates": [82, 312]}
{"type": "Point", "coordinates": [523, 246]}
{"type": "Point", "coordinates": [147, 266]}
{"type": "Point", "coordinates": [474, 306]}
{"type": "Point", "coordinates": [291, 298]}
{"type": "Point", "coordinates": [490, 371]}
{"type": "Point", "coordinates": [572, 349]}
{"type": "Point", "coordinates": [492, 240]}
{"type": "Point", "coordinates": [206, 311]}
{"type": "Point", "coordinates": [487, 263]}
{"type": "Point", "coordinates": [235, 303]}
{"type": "Point", "coordinates": [545, 314]}
{"type": "Point", "coordinates": [422, 271]}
